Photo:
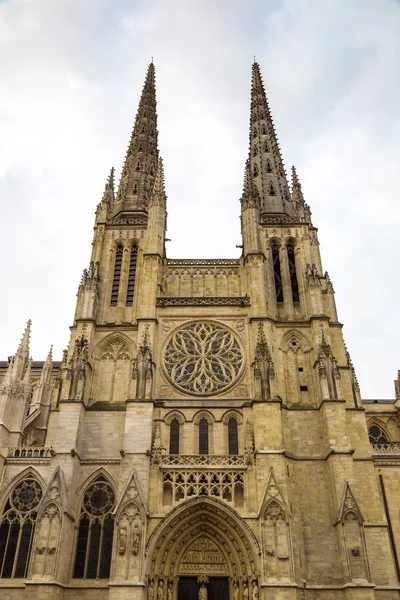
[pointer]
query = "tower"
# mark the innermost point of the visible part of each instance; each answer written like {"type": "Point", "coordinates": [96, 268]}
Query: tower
{"type": "Point", "coordinates": [204, 434]}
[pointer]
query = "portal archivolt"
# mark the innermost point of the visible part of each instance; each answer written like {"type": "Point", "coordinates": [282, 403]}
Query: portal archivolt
{"type": "Point", "coordinates": [202, 537]}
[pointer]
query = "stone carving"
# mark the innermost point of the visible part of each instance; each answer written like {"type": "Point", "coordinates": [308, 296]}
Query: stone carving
{"type": "Point", "coordinates": [136, 534]}
{"type": "Point", "coordinates": [202, 557]}
{"type": "Point", "coordinates": [160, 590]}
{"type": "Point", "coordinates": [312, 276]}
{"type": "Point", "coordinates": [225, 485]}
{"type": "Point", "coordinates": [169, 591]}
{"type": "Point", "coordinates": [201, 460]}
{"type": "Point", "coordinates": [245, 592]}
{"type": "Point", "coordinates": [203, 594]}
{"type": "Point", "coordinates": [203, 358]}
{"type": "Point", "coordinates": [41, 549]}
{"type": "Point", "coordinates": [122, 540]}
{"type": "Point", "coordinates": [249, 444]}
{"type": "Point", "coordinates": [115, 350]}
{"type": "Point", "coordinates": [204, 301]}
{"type": "Point", "coordinates": [53, 492]}
{"type": "Point", "coordinates": [157, 450]}
{"type": "Point", "coordinates": [255, 590]}
{"type": "Point", "coordinates": [150, 590]}
{"type": "Point", "coordinates": [203, 261]}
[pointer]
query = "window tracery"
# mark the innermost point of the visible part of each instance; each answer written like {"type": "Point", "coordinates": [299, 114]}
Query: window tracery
{"type": "Point", "coordinates": [96, 532]}
{"type": "Point", "coordinates": [181, 485]}
{"type": "Point", "coordinates": [17, 528]}
{"type": "Point", "coordinates": [203, 358]}
{"type": "Point", "coordinates": [377, 435]}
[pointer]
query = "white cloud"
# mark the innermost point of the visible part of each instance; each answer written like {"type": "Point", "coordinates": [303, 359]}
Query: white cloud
{"type": "Point", "coordinates": [71, 77]}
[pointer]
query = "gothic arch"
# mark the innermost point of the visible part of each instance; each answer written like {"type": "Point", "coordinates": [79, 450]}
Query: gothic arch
{"type": "Point", "coordinates": [100, 472]}
{"type": "Point", "coordinates": [300, 341]}
{"type": "Point", "coordinates": [235, 414]}
{"type": "Point", "coordinates": [376, 422]}
{"type": "Point", "coordinates": [29, 472]}
{"type": "Point", "coordinates": [213, 522]}
{"type": "Point", "coordinates": [174, 414]}
{"type": "Point", "coordinates": [203, 414]}
{"type": "Point", "coordinates": [123, 339]}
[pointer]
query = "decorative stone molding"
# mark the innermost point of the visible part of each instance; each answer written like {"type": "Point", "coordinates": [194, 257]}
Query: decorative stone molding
{"type": "Point", "coordinates": [387, 448]}
{"type": "Point", "coordinates": [203, 261]}
{"type": "Point", "coordinates": [200, 460]}
{"type": "Point", "coordinates": [204, 301]}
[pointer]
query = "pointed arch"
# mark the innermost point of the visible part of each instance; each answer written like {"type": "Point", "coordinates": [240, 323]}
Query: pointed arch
{"type": "Point", "coordinates": [114, 356]}
{"type": "Point", "coordinates": [234, 545]}
{"type": "Point", "coordinates": [377, 431]}
{"type": "Point", "coordinates": [96, 527]}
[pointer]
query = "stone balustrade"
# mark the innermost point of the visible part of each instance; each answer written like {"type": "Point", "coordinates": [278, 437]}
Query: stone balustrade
{"type": "Point", "coordinates": [387, 448]}
{"type": "Point", "coordinates": [31, 452]}
{"type": "Point", "coordinates": [203, 460]}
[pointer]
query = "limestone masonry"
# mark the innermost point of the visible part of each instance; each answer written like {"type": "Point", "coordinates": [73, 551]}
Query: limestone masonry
{"type": "Point", "coordinates": [204, 436]}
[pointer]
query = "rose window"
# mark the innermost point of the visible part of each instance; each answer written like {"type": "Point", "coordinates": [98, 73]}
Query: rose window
{"type": "Point", "coordinates": [99, 498]}
{"type": "Point", "coordinates": [203, 358]}
{"type": "Point", "coordinates": [26, 495]}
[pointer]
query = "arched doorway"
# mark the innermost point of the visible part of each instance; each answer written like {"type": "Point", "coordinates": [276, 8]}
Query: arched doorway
{"type": "Point", "coordinates": [202, 545]}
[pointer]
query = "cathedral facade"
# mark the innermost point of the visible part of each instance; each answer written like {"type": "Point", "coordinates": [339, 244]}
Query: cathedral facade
{"type": "Point", "coordinates": [204, 436]}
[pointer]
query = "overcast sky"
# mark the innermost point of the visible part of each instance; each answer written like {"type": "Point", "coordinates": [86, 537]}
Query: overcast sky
{"type": "Point", "coordinates": [71, 74]}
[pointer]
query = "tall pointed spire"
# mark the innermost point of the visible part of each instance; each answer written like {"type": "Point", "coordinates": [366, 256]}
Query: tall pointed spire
{"type": "Point", "coordinates": [138, 173]}
{"type": "Point", "coordinates": [250, 197]}
{"type": "Point", "coordinates": [265, 158]}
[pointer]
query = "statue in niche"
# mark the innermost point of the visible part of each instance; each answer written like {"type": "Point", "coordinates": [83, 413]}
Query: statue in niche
{"type": "Point", "coordinates": [150, 591]}
{"type": "Point", "coordinates": [135, 539]}
{"type": "Point", "coordinates": [255, 590]}
{"type": "Point", "coordinates": [203, 594]}
{"type": "Point", "coordinates": [122, 540]}
{"type": "Point", "coordinates": [169, 592]}
{"type": "Point", "coordinates": [160, 591]}
{"type": "Point", "coordinates": [236, 591]}
{"type": "Point", "coordinates": [245, 591]}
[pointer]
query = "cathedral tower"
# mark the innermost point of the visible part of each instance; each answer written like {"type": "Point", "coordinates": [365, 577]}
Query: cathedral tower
{"type": "Point", "coordinates": [204, 435]}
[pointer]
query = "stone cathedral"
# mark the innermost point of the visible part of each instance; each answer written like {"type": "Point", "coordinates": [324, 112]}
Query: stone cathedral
{"type": "Point", "coordinates": [204, 436]}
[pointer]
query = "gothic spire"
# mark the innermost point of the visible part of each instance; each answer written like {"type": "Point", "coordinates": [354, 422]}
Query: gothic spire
{"type": "Point", "coordinates": [20, 362]}
{"type": "Point", "coordinates": [109, 194]}
{"type": "Point", "coordinates": [265, 158]}
{"type": "Point", "coordinates": [138, 173]}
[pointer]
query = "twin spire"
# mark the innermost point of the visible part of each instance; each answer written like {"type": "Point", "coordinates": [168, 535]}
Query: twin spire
{"type": "Point", "coordinates": [265, 184]}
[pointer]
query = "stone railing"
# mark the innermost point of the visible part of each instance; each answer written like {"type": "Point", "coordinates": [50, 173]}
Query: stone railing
{"type": "Point", "coordinates": [204, 301]}
{"type": "Point", "coordinates": [31, 452]}
{"type": "Point", "coordinates": [196, 461]}
{"type": "Point", "coordinates": [387, 448]}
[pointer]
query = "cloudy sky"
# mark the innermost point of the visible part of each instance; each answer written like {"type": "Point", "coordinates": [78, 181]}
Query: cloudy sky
{"type": "Point", "coordinates": [71, 73]}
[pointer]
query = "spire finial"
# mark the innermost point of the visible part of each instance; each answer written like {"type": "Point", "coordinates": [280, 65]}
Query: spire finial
{"type": "Point", "coordinates": [158, 196]}
{"type": "Point", "coordinates": [266, 164]}
{"type": "Point", "coordinates": [138, 173]}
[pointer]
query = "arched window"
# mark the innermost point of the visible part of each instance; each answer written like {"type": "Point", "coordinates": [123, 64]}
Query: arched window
{"type": "Point", "coordinates": [17, 528]}
{"type": "Point", "coordinates": [277, 272]}
{"type": "Point", "coordinates": [174, 437]}
{"type": "Point", "coordinates": [203, 436]}
{"type": "Point", "coordinates": [377, 435]}
{"type": "Point", "coordinates": [131, 277]}
{"type": "Point", "coordinates": [96, 531]}
{"type": "Point", "coordinates": [292, 272]}
{"type": "Point", "coordinates": [233, 442]}
{"type": "Point", "coordinates": [117, 275]}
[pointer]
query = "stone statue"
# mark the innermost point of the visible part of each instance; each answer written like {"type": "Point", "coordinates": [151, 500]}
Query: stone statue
{"type": "Point", "coordinates": [203, 595]}
{"type": "Point", "coordinates": [236, 591]}
{"type": "Point", "coordinates": [160, 591]}
{"type": "Point", "coordinates": [122, 540]}
{"type": "Point", "coordinates": [135, 539]}
{"type": "Point", "coordinates": [255, 590]}
{"type": "Point", "coordinates": [169, 592]}
{"type": "Point", "coordinates": [245, 591]}
{"type": "Point", "coordinates": [150, 591]}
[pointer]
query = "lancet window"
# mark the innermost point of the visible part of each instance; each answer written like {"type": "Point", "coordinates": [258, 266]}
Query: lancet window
{"type": "Point", "coordinates": [131, 277]}
{"type": "Point", "coordinates": [277, 272]}
{"type": "Point", "coordinates": [174, 437]}
{"type": "Point", "coordinates": [292, 272]}
{"type": "Point", "coordinates": [96, 532]}
{"type": "Point", "coordinates": [18, 527]}
{"type": "Point", "coordinates": [233, 441]}
{"type": "Point", "coordinates": [117, 275]}
{"type": "Point", "coordinates": [203, 436]}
